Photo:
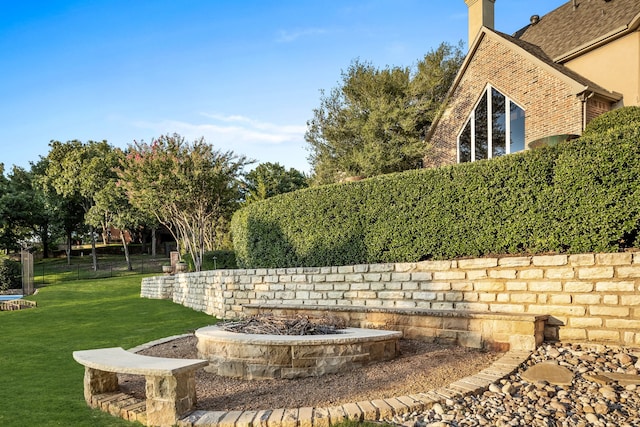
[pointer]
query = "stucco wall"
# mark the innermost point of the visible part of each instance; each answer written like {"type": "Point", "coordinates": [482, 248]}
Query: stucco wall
{"type": "Point", "coordinates": [624, 77]}
{"type": "Point", "coordinates": [590, 297]}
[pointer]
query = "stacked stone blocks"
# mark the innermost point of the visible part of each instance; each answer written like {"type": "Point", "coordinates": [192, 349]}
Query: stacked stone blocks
{"type": "Point", "coordinates": [267, 357]}
{"type": "Point", "coordinates": [494, 331]}
{"type": "Point", "coordinates": [170, 388]}
{"type": "Point", "coordinates": [588, 297]}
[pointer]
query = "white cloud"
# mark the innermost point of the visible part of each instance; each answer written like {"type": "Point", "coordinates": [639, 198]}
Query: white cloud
{"type": "Point", "coordinates": [263, 126]}
{"type": "Point", "coordinates": [230, 131]}
{"type": "Point", "coordinates": [285, 36]}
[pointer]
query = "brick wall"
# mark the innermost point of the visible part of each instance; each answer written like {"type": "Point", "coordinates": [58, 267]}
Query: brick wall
{"type": "Point", "coordinates": [597, 106]}
{"type": "Point", "coordinates": [589, 297]}
{"type": "Point", "coordinates": [551, 106]}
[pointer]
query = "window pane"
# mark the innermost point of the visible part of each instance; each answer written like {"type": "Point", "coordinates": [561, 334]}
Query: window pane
{"type": "Point", "coordinates": [498, 129]}
{"type": "Point", "coordinates": [482, 145]}
{"type": "Point", "coordinates": [465, 144]}
{"type": "Point", "coordinates": [517, 128]}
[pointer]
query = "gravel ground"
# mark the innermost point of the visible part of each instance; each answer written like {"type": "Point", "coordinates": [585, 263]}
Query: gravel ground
{"type": "Point", "coordinates": [590, 400]}
{"type": "Point", "coordinates": [421, 367]}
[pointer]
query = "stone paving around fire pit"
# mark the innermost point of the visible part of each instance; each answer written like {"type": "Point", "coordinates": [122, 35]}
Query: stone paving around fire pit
{"type": "Point", "coordinates": [603, 391]}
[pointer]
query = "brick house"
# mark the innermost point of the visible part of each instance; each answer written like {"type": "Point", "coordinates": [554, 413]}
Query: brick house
{"type": "Point", "coordinates": [545, 82]}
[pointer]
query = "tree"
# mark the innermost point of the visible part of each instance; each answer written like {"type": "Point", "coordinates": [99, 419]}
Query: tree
{"type": "Point", "coordinates": [189, 187]}
{"type": "Point", "coordinates": [8, 239]}
{"type": "Point", "coordinates": [431, 83]}
{"type": "Point", "coordinates": [375, 122]}
{"type": "Point", "coordinates": [112, 208]}
{"type": "Point", "coordinates": [23, 210]}
{"type": "Point", "coordinates": [269, 179]}
{"type": "Point", "coordinates": [77, 172]}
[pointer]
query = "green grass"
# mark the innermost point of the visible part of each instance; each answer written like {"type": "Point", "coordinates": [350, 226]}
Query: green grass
{"type": "Point", "coordinates": [41, 384]}
{"type": "Point", "coordinates": [56, 270]}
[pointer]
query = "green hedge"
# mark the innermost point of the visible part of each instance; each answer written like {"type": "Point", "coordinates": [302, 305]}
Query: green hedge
{"type": "Point", "coordinates": [10, 274]}
{"type": "Point", "coordinates": [580, 196]}
{"type": "Point", "coordinates": [224, 260]}
{"type": "Point", "coordinates": [622, 117]}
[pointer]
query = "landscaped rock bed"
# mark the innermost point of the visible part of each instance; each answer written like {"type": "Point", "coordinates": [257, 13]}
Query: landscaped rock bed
{"type": "Point", "coordinates": [421, 366]}
{"type": "Point", "coordinates": [592, 385]}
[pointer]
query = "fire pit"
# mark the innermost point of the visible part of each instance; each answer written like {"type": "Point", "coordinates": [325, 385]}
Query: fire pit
{"type": "Point", "coordinates": [267, 356]}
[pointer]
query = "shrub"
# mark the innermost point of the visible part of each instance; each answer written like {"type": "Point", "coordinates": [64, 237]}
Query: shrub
{"type": "Point", "coordinates": [580, 196]}
{"type": "Point", "coordinates": [10, 274]}
{"type": "Point", "coordinates": [622, 117]}
{"type": "Point", "coordinates": [224, 259]}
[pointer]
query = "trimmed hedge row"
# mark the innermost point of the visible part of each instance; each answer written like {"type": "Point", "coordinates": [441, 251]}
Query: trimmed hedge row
{"type": "Point", "coordinates": [627, 116]}
{"type": "Point", "coordinates": [581, 196]}
{"type": "Point", "coordinates": [212, 260]}
{"type": "Point", "coordinates": [10, 274]}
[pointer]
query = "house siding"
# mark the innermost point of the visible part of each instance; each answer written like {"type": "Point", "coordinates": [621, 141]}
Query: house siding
{"type": "Point", "coordinates": [551, 106]}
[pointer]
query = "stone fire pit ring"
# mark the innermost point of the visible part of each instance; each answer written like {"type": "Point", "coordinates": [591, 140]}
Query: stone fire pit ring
{"type": "Point", "coordinates": [255, 356]}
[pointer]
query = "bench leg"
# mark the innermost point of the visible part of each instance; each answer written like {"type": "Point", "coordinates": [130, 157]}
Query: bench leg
{"type": "Point", "coordinates": [98, 382]}
{"type": "Point", "coordinates": [169, 398]}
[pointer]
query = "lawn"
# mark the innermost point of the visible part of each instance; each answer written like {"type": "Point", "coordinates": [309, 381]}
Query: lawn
{"type": "Point", "coordinates": [56, 270]}
{"type": "Point", "coordinates": [41, 384]}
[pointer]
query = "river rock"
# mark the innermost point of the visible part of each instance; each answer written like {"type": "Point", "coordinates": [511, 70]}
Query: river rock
{"type": "Point", "coordinates": [597, 397]}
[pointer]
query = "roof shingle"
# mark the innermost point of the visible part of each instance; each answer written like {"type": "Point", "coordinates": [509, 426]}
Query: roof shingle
{"type": "Point", "coordinates": [537, 52]}
{"type": "Point", "coordinates": [565, 29]}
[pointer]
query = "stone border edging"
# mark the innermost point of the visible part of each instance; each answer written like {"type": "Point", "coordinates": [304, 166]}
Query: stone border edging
{"type": "Point", "coordinates": [374, 410]}
{"type": "Point", "coordinates": [122, 405]}
{"type": "Point", "coordinates": [158, 342]}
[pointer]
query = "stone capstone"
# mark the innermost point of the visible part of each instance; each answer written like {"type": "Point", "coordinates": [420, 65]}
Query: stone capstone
{"type": "Point", "coordinates": [255, 356]}
{"type": "Point", "coordinates": [549, 372]}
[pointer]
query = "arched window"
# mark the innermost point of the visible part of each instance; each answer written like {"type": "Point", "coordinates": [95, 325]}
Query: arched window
{"type": "Point", "coordinates": [484, 138]}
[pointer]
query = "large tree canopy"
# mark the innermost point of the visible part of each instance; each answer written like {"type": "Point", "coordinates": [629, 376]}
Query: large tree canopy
{"type": "Point", "coordinates": [269, 179]}
{"type": "Point", "coordinates": [375, 122]}
{"type": "Point", "coordinates": [24, 216]}
{"type": "Point", "coordinates": [78, 171]}
{"type": "Point", "coordinates": [190, 188]}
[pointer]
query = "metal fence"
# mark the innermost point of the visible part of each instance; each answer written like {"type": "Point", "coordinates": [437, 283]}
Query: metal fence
{"type": "Point", "coordinates": [54, 273]}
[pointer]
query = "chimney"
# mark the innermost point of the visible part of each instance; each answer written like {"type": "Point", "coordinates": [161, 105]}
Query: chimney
{"type": "Point", "coordinates": [480, 15]}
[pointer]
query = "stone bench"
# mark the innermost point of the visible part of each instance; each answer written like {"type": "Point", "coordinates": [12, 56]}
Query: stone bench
{"type": "Point", "coordinates": [498, 331]}
{"type": "Point", "coordinates": [170, 383]}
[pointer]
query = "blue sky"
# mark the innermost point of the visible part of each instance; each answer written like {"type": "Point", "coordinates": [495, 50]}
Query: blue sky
{"type": "Point", "coordinates": [244, 74]}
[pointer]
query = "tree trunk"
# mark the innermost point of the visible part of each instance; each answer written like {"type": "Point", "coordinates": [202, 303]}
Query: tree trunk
{"type": "Point", "coordinates": [94, 255]}
{"type": "Point", "coordinates": [106, 235]}
{"type": "Point", "coordinates": [44, 236]}
{"type": "Point", "coordinates": [126, 251]}
{"type": "Point", "coordinates": [68, 248]}
{"type": "Point", "coordinates": [153, 241]}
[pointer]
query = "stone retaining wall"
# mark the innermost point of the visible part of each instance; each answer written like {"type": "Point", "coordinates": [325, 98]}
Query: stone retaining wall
{"type": "Point", "coordinates": [589, 297]}
{"type": "Point", "coordinates": [492, 331]}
